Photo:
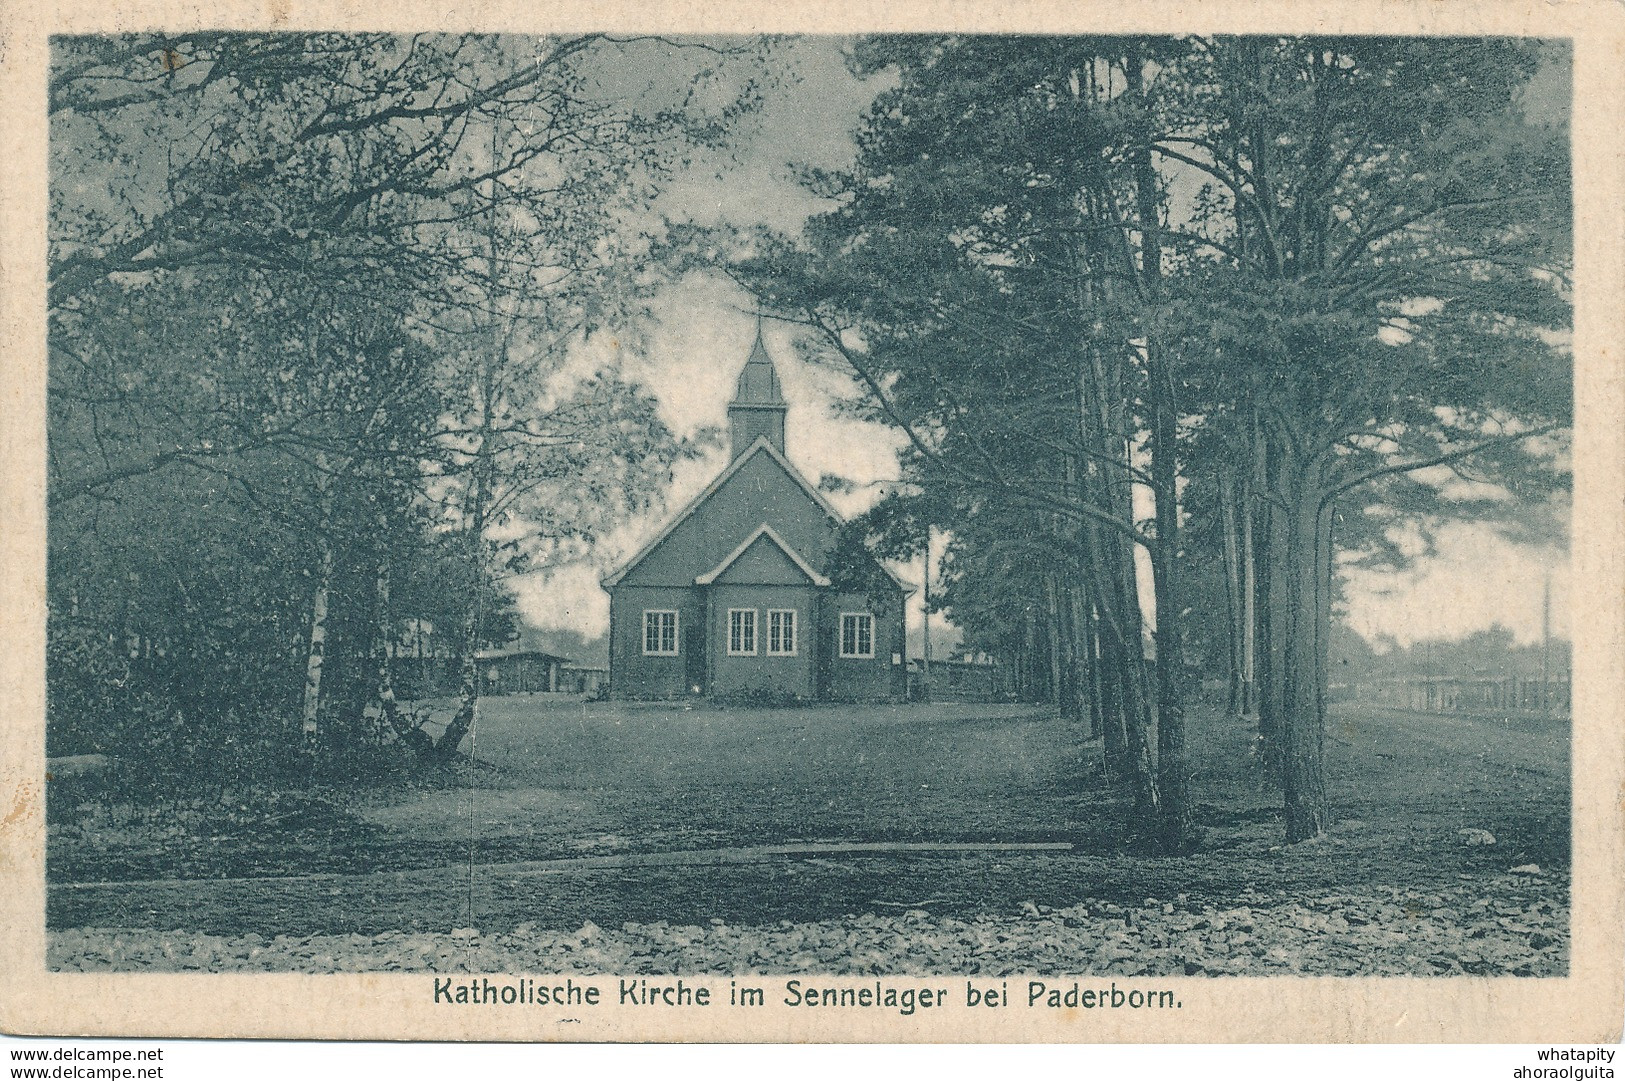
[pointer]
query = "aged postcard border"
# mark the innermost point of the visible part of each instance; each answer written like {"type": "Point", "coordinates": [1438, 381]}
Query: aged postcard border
{"type": "Point", "coordinates": [1585, 1006]}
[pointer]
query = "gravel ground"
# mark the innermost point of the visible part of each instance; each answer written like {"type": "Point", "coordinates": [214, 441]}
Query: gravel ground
{"type": "Point", "coordinates": [1509, 925]}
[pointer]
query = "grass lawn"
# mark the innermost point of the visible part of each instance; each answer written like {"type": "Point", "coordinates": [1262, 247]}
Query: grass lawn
{"type": "Point", "coordinates": [554, 777]}
{"type": "Point", "coordinates": [610, 776]}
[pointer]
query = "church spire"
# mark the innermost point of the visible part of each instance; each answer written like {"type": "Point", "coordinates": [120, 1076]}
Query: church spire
{"type": "Point", "coordinates": [758, 407]}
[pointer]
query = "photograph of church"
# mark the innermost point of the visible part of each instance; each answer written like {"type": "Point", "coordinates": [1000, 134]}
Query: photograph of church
{"type": "Point", "coordinates": [744, 590]}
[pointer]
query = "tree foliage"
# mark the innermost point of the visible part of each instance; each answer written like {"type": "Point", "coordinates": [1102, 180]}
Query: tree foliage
{"type": "Point", "coordinates": [315, 303]}
{"type": "Point", "coordinates": [1304, 292]}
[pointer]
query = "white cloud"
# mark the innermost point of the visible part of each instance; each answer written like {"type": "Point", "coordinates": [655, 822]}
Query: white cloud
{"type": "Point", "coordinates": [1475, 580]}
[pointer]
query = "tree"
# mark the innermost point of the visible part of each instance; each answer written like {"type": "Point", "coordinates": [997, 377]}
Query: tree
{"type": "Point", "coordinates": [544, 462]}
{"type": "Point", "coordinates": [328, 285]}
{"type": "Point", "coordinates": [305, 421]}
{"type": "Point", "coordinates": [1017, 350]}
{"type": "Point", "coordinates": [373, 163]}
{"type": "Point", "coordinates": [1298, 271]}
{"type": "Point", "coordinates": [1378, 279]}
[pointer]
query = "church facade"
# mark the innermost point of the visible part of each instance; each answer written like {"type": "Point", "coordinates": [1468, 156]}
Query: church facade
{"type": "Point", "coordinates": [748, 590]}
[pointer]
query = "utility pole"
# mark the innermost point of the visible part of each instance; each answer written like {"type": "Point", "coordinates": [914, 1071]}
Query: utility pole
{"type": "Point", "coordinates": [925, 622]}
{"type": "Point", "coordinates": [1546, 641]}
{"type": "Point", "coordinates": [1427, 669]}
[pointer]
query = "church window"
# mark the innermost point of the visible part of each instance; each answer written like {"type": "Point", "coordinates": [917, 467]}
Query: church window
{"type": "Point", "coordinates": [660, 632]}
{"type": "Point", "coordinates": [781, 632]}
{"type": "Point", "coordinates": [857, 634]}
{"type": "Point", "coordinates": [742, 632]}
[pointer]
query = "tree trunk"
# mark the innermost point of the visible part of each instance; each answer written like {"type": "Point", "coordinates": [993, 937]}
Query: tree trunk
{"type": "Point", "coordinates": [1176, 830]}
{"type": "Point", "coordinates": [1114, 715]}
{"type": "Point", "coordinates": [1138, 720]}
{"type": "Point", "coordinates": [1303, 778]}
{"type": "Point", "coordinates": [469, 690]}
{"type": "Point", "coordinates": [475, 505]}
{"type": "Point", "coordinates": [1272, 543]}
{"type": "Point", "coordinates": [1073, 663]}
{"type": "Point", "coordinates": [1124, 687]}
{"type": "Point", "coordinates": [1088, 684]}
{"type": "Point", "coordinates": [309, 729]}
{"type": "Point", "coordinates": [1249, 601]}
{"type": "Point", "coordinates": [1105, 431]}
{"type": "Point", "coordinates": [316, 651]}
{"type": "Point", "coordinates": [925, 621]}
{"type": "Point", "coordinates": [1052, 604]}
{"type": "Point", "coordinates": [1299, 569]}
{"type": "Point", "coordinates": [1134, 687]}
{"type": "Point", "coordinates": [472, 631]}
{"type": "Point", "coordinates": [1234, 604]}
{"type": "Point", "coordinates": [1034, 678]}
{"type": "Point", "coordinates": [389, 714]}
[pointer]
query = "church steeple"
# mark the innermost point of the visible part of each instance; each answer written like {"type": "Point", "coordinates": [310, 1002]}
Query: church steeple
{"type": "Point", "coordinates": [758, 407]}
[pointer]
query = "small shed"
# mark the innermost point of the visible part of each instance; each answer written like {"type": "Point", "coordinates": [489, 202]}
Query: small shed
{"type": "Point", "coordinates": [583, 678]}
{"type": "Point", "coordinates": [968, 677]}
{"type": "Point", "coordinates": [520, 671]}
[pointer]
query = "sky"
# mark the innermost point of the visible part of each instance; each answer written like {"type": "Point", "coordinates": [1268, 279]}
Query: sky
{"type": "Point", "coordinates": [701, 328]}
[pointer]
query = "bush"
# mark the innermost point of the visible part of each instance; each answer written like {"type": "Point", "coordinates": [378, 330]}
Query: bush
{"type": "Point", "coordinates": [759, 698]}
{"type": "Point", "coordinates": [177, 743]}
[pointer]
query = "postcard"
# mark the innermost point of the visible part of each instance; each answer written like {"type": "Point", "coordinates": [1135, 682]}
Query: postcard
{"type": "Point", "coordinates": [723, 523]}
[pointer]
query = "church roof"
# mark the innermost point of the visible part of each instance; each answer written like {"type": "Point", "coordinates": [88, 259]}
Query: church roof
{"type": "Point", "coordinates": [764, 530]}
{"type": "Point", "coordinates": [758, 389]}
{"type": "Point", "coordinates": [759, 380]}
{"type": "Point", "coordinates": [761, 446]}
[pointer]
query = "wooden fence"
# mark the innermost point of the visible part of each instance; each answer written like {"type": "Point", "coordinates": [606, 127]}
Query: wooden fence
{"type": "Point", "coordinates": [1510, 694]}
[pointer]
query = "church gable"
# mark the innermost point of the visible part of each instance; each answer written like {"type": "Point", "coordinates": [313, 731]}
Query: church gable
{"type": "Point", "coordinates": [763, 559]}
{"type": "Point", "coordinates": [760, 487]}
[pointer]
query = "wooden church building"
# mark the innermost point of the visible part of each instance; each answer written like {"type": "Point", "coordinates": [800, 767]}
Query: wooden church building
{"type": "Point", "coordinates": [746, 590]}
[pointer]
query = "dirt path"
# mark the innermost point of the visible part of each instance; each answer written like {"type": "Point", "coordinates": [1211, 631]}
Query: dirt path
{"type": "Point", "coordinates": [682, 817]}
{"type": "Point", "coordinates": [1517, 743]}
{"type": "Point", "coordinates": [705, 857]}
